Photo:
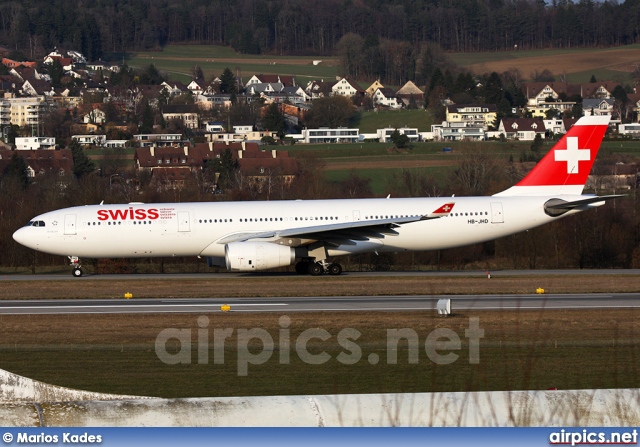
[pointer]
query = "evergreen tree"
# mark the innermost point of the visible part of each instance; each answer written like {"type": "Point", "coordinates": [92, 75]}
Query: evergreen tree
{"type": "Point", "coordinates": [273, 120]}
{"type": "Point", "coordinates": [82, 164]}
{"type": "Point", "coordinates": [17, 169]}
{"type": "Point", "coordinates": [147, 120]}
{"type": "Point", "coordinates": [228, 82]}
{"type": "Point", "coordinates": [225, 167]}
{"type": "Point", "coordinates": [593, 79]}
{"type": "Point", "coordinates": [400, 140]}
{"type": "Point", "coordinates": [536, 145]}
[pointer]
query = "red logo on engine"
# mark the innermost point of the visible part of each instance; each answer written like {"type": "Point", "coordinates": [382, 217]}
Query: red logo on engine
{"type": "Point", "coordinates": [129, 214]}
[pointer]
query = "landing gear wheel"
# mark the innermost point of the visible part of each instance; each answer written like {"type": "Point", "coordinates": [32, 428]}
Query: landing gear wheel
{"type": "Point", "coordinates": [302, 268]}
{"type": "Point", "coordinates": [77, 272]}
{"type": "Point", "coordinates": [335, 269]}
{"type": "Point", "coordinates": [316, 269]}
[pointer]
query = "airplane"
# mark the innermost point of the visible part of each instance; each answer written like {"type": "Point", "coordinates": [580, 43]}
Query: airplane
{"type": "Point", "coordinates": [255, 236]}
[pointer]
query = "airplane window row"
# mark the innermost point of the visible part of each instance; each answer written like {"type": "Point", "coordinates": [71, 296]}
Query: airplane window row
{"type": "Point", "coordinates": [267, 219]}
{"type": "Point", "coordinates": [140, 222]}
{"type": "Point", "coordinates": [481, 213]}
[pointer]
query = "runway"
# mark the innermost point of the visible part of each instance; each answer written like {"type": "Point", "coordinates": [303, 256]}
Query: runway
{"type": "Point", "coordinates": [322, 304]}
{"type": "Point", "coordinates": [259, 275]}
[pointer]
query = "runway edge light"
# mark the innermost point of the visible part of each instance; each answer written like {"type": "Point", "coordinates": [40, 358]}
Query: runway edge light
{"type": "Point", "coordinates": [444, 306]}
{"type": "Point", "coordinates": [128, 295]}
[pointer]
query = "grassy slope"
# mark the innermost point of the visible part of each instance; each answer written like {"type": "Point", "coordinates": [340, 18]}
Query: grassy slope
{"type": "Point", "coordinates": [177, 60]}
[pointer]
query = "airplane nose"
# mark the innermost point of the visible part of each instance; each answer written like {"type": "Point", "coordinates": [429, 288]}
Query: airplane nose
{"type": "Point", "coordinates": [21, 237]}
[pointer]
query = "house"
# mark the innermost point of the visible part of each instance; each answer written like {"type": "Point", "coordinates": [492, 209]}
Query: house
{"type": "Point", "coordinates": [37, 87]}
{"type": "Point", "coordinates": [9, 63]}
{"type": "Point", "coordinates": [170, 165]}
{"type": "Point", "coordinates": [632, 130]}
{"type": "Point", "coordinates": [257, 88]}
{"type": "Point", "coordinates": [524, 129]}
{"type": "Point", "coordinates": [66, 62]}
{"type": "Point", "coordinates": [459, 131]}
{"type": "Point", "coordinates": [35, 143]}
{"type": "Point", "coordinates": [478, 115]}
{"type": "Point", "coordinates": [384, 135]}
{"type": "Point", "coordinates": [41, 161]}
{"type": "Point", "coordinates": [613, 176]}
{"type": "Point", "coordinates": [408, 92]}
{"type": "Point", "coordinates": [326, 135]}
{"type": "Point", "coordinates": [386, 97]}
{"type": "Point", "coordinates": [287, 81]}
{"type": "Point", "coordinates": [598, 90]}
{"type": "Point", "coordinates": [184, 113]}
{"type": "Point", "coordinates": [318, 89]}
{"type": "Point", "coordinates": [90, 140]}
{"type": "Point", "coordinates": [197, 87]}
{"type": "Point", "coordinates": [157, 139]}
{"type": "Point", "coordinates": [558, 126]}
{"type": "Point", "coordinates": [372, 88]}
{"type": "Point", "coordinates": [95, 116]}
{"type": "Point", "coordinates": [214, 127]}
{"type": "Point", "coordinates": [539, 92]}
{"type": "Point", "coordinates": [542, 109]}
{"type": "Point", "coordinates": [597, 107]}
{"type": "Point", "coordinates": [345, 87]}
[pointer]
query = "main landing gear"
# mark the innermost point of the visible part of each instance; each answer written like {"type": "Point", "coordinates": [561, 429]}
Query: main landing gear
{"type": "Point", "coordinates": [317, 268]}
{"type": "Point", "coordinates": [77, 268]}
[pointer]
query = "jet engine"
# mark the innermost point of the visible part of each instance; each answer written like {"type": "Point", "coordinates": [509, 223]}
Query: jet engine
{"type": "Point", "coordinates": [253, 256]}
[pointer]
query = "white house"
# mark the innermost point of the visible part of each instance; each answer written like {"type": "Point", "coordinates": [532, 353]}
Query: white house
{"type": "Point", "coordinates": [384, 135]}
{"type": "Point", "coordinates": [326, 135]}
{"type": "Point", "coordinates": [387, 98]}
{"type": "Point", "coordinates": [95, 116]}
{"type": "Point", "coordinates": [34, 143]}
{"type": "Point", "coordinates": [524, 129]}
{"type": "Point", "coordinates": [344, 87]}
{"type": "Point", "coordinates": [90, 140]}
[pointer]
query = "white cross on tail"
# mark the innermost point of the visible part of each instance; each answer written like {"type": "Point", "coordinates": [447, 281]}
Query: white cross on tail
{"type": "Point", "coordinates": [572, 155]}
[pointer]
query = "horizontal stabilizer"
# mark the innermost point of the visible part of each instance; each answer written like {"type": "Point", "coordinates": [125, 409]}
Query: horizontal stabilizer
{"type": "Point", "coordinates": [557, 207]}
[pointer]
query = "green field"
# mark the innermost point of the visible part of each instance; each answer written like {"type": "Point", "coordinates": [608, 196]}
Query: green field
{"type": "Point", "coordinates": [177, 60]}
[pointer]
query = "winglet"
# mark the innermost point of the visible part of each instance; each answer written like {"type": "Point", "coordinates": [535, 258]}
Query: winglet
{"type": "Point", "coordinates": [444, 210]}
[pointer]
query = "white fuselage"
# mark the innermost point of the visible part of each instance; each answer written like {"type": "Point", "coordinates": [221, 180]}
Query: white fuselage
{"type": "Point", "coordinates": [195, 229]}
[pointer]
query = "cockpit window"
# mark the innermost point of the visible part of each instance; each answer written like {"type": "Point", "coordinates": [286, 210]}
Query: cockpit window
{"type": "Point", "coordinates": [38, 223]}
{"type": "Point", "coordinates": [29, 224]}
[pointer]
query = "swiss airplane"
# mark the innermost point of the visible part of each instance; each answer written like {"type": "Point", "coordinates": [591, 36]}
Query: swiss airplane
{"type": "Point", "coordinates": [254, 236]}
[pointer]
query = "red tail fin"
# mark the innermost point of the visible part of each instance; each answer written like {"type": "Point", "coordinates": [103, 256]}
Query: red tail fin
{"type": "Point", "coordinates": [566, 167]}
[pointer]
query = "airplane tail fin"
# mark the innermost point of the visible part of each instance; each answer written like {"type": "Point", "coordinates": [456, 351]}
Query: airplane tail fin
{"type": "Point", "coordinates": [565, 168]}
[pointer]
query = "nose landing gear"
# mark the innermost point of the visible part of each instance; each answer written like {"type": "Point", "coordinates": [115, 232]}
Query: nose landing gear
{"type": "Point", "coordinates": [77, 268]}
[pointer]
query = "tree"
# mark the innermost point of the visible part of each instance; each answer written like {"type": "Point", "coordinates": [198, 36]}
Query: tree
{"type": "Point", "coordinates": [332, 111]}
{"type": "Point", "coordinates": [17, 170]}
{"type": "Point", "coordinates": [82, 164]}
{"type": "Point", "coordinates": [273, 120]}
{"type": "Point", "coordinates": [224, 168]}
{"type": "Point", "coordinates": [536, 145]}
{"type": "Point", "coordinates": [56, 71]}
{"type": "Point", "coordinates": [399, 140]}
{"type": "Point", "coordinates": [196, 73]}
{"type": "Point", "coordinates": [228, 82]}
{"type": "Point", "coordinates": [593, 79]}
{"type": "Point", "coordinates": [147, 119]}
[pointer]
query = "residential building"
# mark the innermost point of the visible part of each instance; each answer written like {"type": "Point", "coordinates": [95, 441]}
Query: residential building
{"type": "Point", "coordinates": [184, 113]}
{"type": "Point", "coordinates": [41, 161]}
{"type": "Point", "coordinates": [410, 91]}
{"type": "Point", "coordinates": [460, 131]}
{"type": "Point", "coordinates": [474, 115]}
{"type": "Point", "coordinates": [326, 135]}
{"type": "Point", "coordinates": [524, 129]}
{"type": "Point", "coordinates": [157, 140]}
{"type": "Point", "coordinates": [27, 111]}
{"type": "Point", "coordinates": [597, 106]}
{"type": "Point", "coordinates": [372, 88]}
{"type": "Point", "coordinates": [35, 143]}
{"type": "Point", "coordinates": [345, 87]}
{"type": "Point", "coordinates": [90, 140]}
{"type": "Point", "coordinates": [386, 97]}
{"type": "Point", "coordinates": [384, 135]}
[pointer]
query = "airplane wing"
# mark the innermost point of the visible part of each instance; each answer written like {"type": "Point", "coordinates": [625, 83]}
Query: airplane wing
{"type": "Point", "coordinates": [358, 230]}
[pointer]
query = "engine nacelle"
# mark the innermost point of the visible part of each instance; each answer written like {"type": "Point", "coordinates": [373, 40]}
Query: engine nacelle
{"type": "Point", "coordinates": [254, 256]}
